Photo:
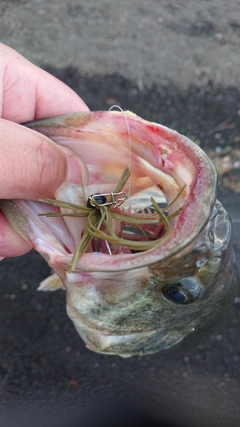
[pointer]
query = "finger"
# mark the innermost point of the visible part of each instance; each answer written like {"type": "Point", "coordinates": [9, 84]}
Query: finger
{"type": "Point", "coordinates": [31, 165]}
{"type": "Point", "coordinates": [11, 243]}
{"type": "Point", "coordinates": [29, 93]}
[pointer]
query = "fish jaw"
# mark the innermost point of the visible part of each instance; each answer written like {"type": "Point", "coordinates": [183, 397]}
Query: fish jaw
{"type": "Point", "coordinates": [115, 313]}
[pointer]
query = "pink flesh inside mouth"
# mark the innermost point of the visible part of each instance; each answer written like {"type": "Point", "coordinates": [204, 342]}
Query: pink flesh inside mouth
{"type": "Point", "coordinates": [161, 162]}
{"type": "Point", "coordinates": [125, 230]}
{"type": "Point", "coordinates": [139, 205]}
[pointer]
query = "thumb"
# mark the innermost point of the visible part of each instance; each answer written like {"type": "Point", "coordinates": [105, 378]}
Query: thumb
{"type": "Point", "coordinates": [31, 165]}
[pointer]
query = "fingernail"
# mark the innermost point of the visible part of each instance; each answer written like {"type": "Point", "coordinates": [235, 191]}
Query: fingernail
{"type": "Point", "coordinates": [74, 171]}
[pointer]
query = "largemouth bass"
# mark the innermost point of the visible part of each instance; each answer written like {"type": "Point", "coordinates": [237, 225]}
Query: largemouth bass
{"type": "Point", "coordinates": [141, 245]}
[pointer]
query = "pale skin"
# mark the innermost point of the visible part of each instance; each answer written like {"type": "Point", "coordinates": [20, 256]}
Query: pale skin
{"type": "Point", "coordinates": [31, 166]}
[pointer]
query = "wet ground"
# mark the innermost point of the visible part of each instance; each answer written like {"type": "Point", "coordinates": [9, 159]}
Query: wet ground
{"type": "Point", "coordinates": [47, 377]}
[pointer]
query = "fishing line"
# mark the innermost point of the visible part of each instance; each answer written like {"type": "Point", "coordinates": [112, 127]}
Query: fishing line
{"type": "Point", "coordinates": [129, 142]}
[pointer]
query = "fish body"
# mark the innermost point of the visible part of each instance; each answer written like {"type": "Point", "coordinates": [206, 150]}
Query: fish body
{"type": "Point", "coordinates": [122, 300]}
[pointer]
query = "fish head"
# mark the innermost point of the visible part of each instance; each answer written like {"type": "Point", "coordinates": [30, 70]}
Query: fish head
{"type": "Point", "coordinates": [152, 308]}
{"type": "Point", "coordinates": [147, 295]}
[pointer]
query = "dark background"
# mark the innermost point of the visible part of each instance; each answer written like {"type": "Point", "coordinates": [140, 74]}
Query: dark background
{"type": "Point", "coordinates": [169, 63]}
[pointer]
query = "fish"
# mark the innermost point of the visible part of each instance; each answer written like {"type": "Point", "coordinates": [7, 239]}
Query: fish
{"type": "Point", "coordinates": [141, 245]}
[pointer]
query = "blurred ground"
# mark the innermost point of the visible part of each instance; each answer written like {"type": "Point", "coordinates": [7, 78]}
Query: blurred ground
{"type": "Point", "coordinates": [173, 64]}
{"type": "Point", "coordinates": [146, 41]}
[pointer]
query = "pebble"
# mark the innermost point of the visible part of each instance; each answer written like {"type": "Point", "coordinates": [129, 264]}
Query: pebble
{"type": "Point", "coordinates": [218, 36]}
{"type": "Point", "coordinates": [219, 337]}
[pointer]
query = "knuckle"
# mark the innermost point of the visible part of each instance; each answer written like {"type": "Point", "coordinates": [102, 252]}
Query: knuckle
{"type": "Point", "coordinates": [49, 168]}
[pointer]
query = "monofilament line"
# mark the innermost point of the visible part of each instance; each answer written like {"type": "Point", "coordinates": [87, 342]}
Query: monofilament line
{"type": "Point", "coordinates": [129, 142]}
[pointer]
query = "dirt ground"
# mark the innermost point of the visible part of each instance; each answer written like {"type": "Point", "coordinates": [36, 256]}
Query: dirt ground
{"type": "Point", "coordinates": [185, 42]}
{"type": "Point", "coordinates": [176, 63]}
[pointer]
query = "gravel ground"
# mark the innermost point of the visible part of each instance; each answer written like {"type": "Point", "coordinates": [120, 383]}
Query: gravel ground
{"type": "Point", "coordinates": [148, 41]}
{"type": "Point", "coordinates": [174, 64]}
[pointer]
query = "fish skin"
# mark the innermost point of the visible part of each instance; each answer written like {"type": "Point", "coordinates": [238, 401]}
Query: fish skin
{"type": "Point", "coordinates": [119, 303]}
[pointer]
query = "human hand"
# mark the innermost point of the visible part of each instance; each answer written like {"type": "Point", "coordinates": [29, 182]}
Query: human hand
{"type": "Point", "coordinates": [31, 166]}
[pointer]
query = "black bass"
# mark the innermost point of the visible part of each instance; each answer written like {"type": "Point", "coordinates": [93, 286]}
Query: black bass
{"type": "Point", "coordinates": [141, 245]}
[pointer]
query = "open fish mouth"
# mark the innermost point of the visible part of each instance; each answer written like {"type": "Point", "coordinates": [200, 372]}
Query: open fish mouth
{"type": "Point", "coordinates": [130, 168]}
{"type": "Point", "coordinates": [112, 230]}
{"type": "Point", "coordinates": [141, 244]}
